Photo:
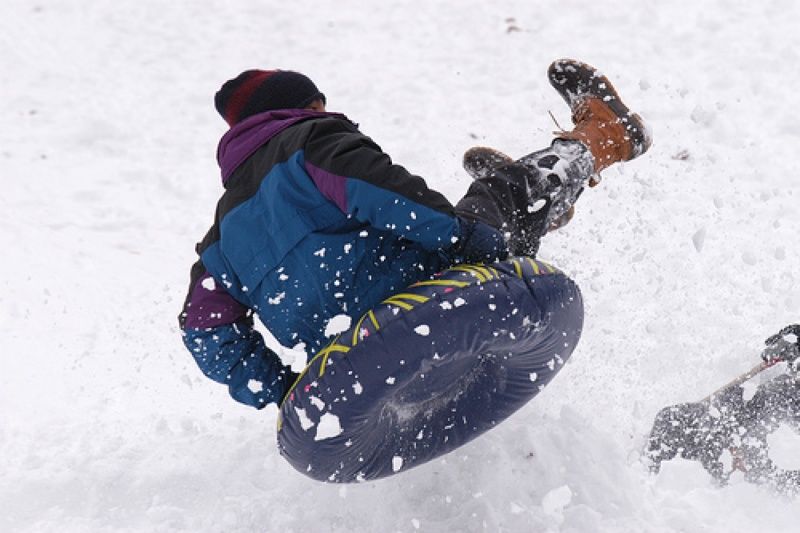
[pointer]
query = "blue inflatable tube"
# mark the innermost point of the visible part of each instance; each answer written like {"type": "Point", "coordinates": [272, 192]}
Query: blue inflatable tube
{"type": "Point", "coordinates": [430, 369]}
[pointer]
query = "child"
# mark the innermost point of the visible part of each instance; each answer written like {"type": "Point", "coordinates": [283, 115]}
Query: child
{"type": "Point", "coordinates": [317, 221]}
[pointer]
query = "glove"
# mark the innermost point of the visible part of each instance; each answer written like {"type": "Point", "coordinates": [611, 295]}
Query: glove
{"type": "Point", "coordinates": [782, 347]}
{"type": "Point", "coordinates": [479, 243]}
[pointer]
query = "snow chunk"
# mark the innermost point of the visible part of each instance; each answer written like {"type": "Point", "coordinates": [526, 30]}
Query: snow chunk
{"type": "Point", "coordinates": [319, 404]}
{"type": "Point", "coordinates": [209, 284]}
{"type": "Point", "coordinates": [727, 460]}
{"type": "Point", "coordinates": [554, 501]}
{"type": "Point", "coordinates": [748, 390]}
{"type": "Point", "coordinates": [534, 376]}
{"type": "Point", "coordinates": [357, 387]}
{"type": "Point", "coordinates": [698, 239]}
{"type": "Point", "coordinates": [749, 258]}
{"type": "Point", "coordinates": [459, 302]}
{"type": "Point", "coordinates": [703, 116]}
{"type": "Point", "coordinates": [423, 330]}
{"type": "Point", "coordinates": [255, 386]}
{"type": "Point", "coordinates": [397, 463]}
{"type": "Point", "coordinates": [305, 422]}
{"type": "Point", "coordinates": [537, 205]}
{"type": "Point", "coordinates": [783, 444]}
{"type": "Point", "coordinates": [329, 427]}
{"type": "Point", "coordinates": [390, 380]}
{"type": "Point", "coordinates": [277, 300]}
{"type": "Point", "coordinates": [337, 324]}
{"type": "Point", "coordinates": [516, 508]}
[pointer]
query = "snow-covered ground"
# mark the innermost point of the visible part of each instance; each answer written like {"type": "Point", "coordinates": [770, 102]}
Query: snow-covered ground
{"type": "Point", "coordinates": [687, 257]}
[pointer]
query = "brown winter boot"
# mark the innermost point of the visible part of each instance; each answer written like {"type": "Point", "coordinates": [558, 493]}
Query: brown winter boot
{"type": "Point", "coordinates": [602, 122]}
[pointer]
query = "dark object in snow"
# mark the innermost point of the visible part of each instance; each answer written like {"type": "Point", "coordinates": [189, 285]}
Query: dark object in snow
{"type": "Point", "coordinates": [430, 369]}
{"type": "Point", "coordinates": [682, 155]}
{"type": "Point", "coordinates": [783, 346]}
{"type": "Point", "coordinates": [725, 422]}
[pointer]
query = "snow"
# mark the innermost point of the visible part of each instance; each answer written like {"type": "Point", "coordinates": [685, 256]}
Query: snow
{"type": "Point", "coordinates": [107, 149]}
{"type": "Point", "coordinates": [699, 239]}
{"type": "Point", "coordinates": [423, 330]}
{"type": "Point", "coordinates": [329, 427]}
{"type": "Point", "coordinates": [317, 402]}
{"type": "Point", "coordinates": [337, 324]}
{"type": "Point", "coordinates": [277, 299]}
{"type": "Point", "coordinates": [255, 386]}
{"type": "Point", "coordinates": [556, 500]}
{"type": "Point", "coordinates": [784, 444]}
{"type": "Point", "coordinates": [305, 422]}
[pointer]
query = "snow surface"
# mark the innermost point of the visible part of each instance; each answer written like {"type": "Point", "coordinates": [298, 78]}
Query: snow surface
{"type": "Point", "coordinates": [107, 145]}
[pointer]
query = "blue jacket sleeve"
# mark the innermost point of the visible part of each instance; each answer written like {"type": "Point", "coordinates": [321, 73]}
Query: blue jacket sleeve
{"type": "Point", "coordinates": [219, 333]}
{"type": "Point", "coordinates": [354, 173]}
{"type": "Point", "coordinates": [235, 355]}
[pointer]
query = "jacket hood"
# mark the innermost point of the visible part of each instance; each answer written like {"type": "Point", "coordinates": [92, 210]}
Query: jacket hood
{"type": "Point", "coordinates": [246, 137]}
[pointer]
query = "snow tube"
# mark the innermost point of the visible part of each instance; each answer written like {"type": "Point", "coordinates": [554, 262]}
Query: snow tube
{"type": "Point", "coordinates": [430, 369]}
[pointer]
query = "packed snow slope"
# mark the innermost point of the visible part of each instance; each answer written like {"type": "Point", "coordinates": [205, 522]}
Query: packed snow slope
{"type": "Point", "coordinates": [687, 257]}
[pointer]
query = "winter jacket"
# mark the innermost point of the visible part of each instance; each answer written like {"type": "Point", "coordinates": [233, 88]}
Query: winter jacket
{"type": "Point", "coordinates": [315, 221]}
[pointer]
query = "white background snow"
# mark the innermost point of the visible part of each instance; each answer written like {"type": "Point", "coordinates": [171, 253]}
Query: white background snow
{"type": "Point", "coordinates": [687, 257]}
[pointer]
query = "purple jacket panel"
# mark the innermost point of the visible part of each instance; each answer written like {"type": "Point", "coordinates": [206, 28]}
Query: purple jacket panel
{"type": "Point", "coordinates": [332, 186]}
{"type": "Point", "coordinates": [209, 306]}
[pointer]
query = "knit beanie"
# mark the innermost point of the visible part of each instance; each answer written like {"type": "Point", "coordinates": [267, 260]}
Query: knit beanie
{"type": "Point", "coordinates": [257, 91]}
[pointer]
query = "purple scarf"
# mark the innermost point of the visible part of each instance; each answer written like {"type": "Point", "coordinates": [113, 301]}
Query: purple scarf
{"type": "Point", "coordinates": [243, 139]}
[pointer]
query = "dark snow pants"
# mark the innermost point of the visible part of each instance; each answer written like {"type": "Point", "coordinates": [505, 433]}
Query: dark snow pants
{"type": "Point", "coordinates": [524, 198]}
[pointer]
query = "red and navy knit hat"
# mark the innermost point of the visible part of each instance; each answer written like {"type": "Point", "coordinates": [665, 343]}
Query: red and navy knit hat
{"type": "Point", "coordinates": [256, 91]}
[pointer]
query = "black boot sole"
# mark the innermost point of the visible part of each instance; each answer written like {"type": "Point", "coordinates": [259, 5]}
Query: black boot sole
{"type": "Point", "coordinates": [480, 161]}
